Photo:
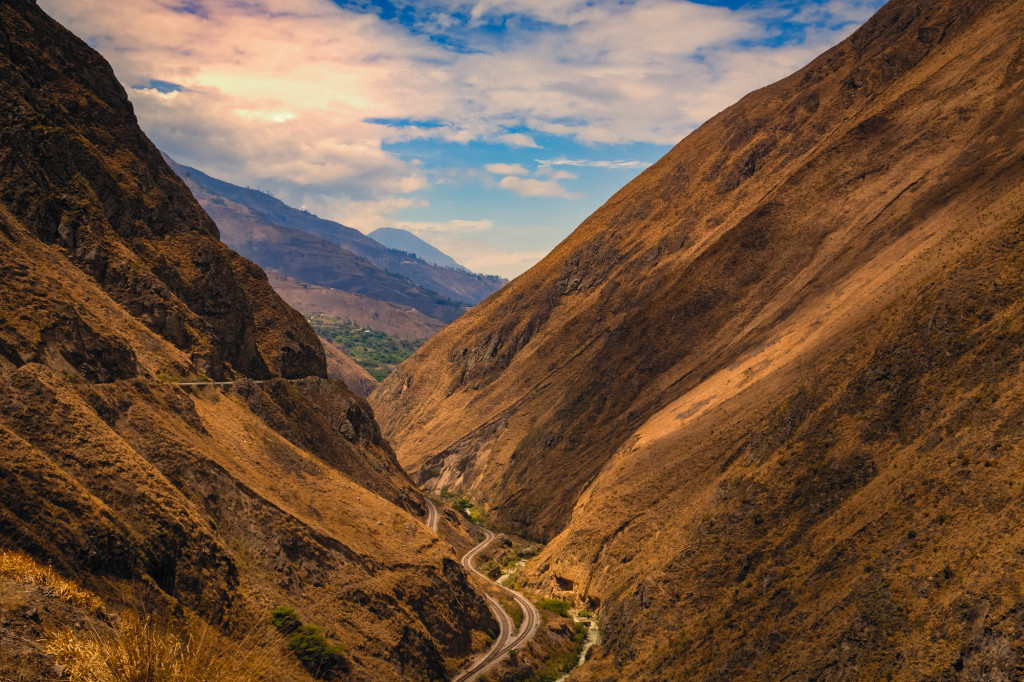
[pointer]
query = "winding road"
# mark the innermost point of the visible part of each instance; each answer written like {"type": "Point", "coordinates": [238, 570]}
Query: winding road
{"type": "Point", "coordinates": [224, 383]}
{"type": "Point", "coordinates": [431, 514]}
{"type": "Point", "coordinates": [508, 637]}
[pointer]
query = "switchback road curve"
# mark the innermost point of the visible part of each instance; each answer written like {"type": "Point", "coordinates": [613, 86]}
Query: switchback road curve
{"type": "Point", "coordinates": [508, 637]}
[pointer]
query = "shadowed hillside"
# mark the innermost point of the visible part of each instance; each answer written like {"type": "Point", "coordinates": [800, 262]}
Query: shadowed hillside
{"type": "Point", "coordinates": [764, 402]}
{"type": "Point", "coordinates": [186, 503]}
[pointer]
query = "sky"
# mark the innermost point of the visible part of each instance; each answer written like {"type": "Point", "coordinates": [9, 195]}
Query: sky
{"type": "Point", "coordinates": [489, 128]}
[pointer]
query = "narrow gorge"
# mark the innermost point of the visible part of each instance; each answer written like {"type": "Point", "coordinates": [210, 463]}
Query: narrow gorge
{"type": "Point", "coordinates": [757, 418]}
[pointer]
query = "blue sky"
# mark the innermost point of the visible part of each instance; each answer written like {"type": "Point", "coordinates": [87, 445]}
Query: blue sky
{"type": "Point", "coordinates": [491, 128]}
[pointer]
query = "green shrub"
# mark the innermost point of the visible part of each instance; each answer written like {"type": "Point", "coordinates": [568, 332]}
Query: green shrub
{"type": "Point", "coordinates": [562, 661]}
{"type": "Point", "coordinates": [558, 606]}
{"type": "Point", "coordinates": [316, 653]}
{"type": "Point", "coordinates": [307, 642]}
{"type": "Point", "coordinates": [285, 620]}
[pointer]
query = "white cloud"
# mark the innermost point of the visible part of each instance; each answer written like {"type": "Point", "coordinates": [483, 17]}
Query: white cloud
{"type": "Point", "coordinates": [506, 169]}
{"type": "Point", "coordinates": [365, 216]}
{"type": "Point", "coordinates": [591, 163]}
{"type": "Point", "coordinates": [281, 94]}
{"type": "Point", "coordinates": [455, 226]}
{"type": "Point", "coordinates": [836, 13]}
{"type": "Point", "coordinates": [518, 140]}
{"type": "Point", "coordinates": [551, 174]}
{"type": "Point", "coordinates": [531, 187]}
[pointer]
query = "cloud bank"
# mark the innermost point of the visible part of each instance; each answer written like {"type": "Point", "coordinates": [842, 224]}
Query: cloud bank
{"type": "Point", "coordinates": [307, 98]}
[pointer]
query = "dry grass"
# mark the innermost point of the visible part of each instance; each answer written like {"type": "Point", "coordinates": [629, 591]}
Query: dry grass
{"type": "Point", "coordinates": [137, 650]}
{"type": "Point", "coordinates": [143, 651]}
{"type": "Point", "coordinates": [23, 568]}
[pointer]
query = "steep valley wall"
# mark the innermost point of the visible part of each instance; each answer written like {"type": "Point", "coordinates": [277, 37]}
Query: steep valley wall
{"type": "Point", "coordinates": [763, 403]}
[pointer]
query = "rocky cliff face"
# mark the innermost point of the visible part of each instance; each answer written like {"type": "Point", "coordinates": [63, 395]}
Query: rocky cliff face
{"type": "Point", "coordinates": [763, 399]}
{"type": "Point", "coordinates": [79, 173]}
{"type": "Point", "coordinates": [216, 503]}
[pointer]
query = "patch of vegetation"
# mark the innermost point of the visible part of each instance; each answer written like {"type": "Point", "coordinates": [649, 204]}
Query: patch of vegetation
{"type": "Point", "coordinates": [514, 610]}
{"type": "Point", "coordinates": [559, 606]}
{"type": "Point", "coordinates": [321, 658]}
{"type": "Point", "coordinates": [376, 352]}
{"type": "Point", "coordinates": [285, 619]}
{"type": "Point", "coordinates": [510, 558]}
{"type": "Point", "coordinates": [464, 503]}
{"type": "Point", "coordinates": [561, 663]}
{"type": "Point", "coordinates": [477, 516]}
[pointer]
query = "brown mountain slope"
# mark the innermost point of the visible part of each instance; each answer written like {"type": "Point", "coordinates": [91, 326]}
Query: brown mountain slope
{"type": "Point", "coordinates": [766, 397]}
{"type": "Point", "coordinates": [341, 366]}
{"type": "Point", "coordinates": [158, 256]}
{"type": "Point", "coordinates": [171, 500]}
{"type": "Point", "coordinates": [401, 322]}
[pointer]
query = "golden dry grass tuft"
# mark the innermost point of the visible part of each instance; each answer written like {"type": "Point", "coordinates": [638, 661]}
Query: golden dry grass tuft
{"type": "Point", "coordinates": [23, 568]}
{"type": "Point", "coordinates": [143, 651]}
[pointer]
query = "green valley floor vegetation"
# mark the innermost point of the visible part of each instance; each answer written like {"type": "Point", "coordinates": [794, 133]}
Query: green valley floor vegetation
{"type": "Point", "coordinates": [558, 606]}
{"type": "Point", "coordinates": [376, 352]}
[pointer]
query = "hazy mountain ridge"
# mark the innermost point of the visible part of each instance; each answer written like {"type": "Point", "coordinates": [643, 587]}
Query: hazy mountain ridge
{"type": "Point", "coordinates": [762, 400]}
{"type": "Point", "coordinates": [457, 285]}
{"type": "Point", "coordinates": [178, 501]}
{"type": "Point", "coordinates": [313, 259]}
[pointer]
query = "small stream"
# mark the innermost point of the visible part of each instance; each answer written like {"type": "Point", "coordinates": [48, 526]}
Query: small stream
{"type": "Point", "coordinates": [593, 637]}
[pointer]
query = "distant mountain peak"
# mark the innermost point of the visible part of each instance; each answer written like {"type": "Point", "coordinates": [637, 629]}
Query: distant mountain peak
{"type": "Point", "coordinates": [403, 240]}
